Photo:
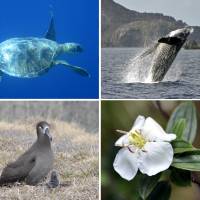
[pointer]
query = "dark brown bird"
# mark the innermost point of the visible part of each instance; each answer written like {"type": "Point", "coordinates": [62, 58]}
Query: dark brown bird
{"type": "Point", "coordinates": [54, 180]}
{"type": "Point", "coordinates": [34, 165]}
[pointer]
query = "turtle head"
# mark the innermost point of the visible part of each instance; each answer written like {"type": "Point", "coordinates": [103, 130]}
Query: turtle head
{"type": "Point", "coordinates": [70, 48]}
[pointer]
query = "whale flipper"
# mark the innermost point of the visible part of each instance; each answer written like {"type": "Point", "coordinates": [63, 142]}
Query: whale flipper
{"type": "Point", "coordinates": [147, 51]}
{"type": "Point", "coordinates": [51, 33]}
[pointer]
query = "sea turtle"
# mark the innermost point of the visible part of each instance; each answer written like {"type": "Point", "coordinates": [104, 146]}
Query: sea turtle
{"type": "Point", "coordinates": [31, 56]}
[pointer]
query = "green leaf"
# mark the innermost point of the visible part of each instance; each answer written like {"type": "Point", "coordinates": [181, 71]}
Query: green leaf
{"type": "Point", "coordinates": [181, 146]}
{"type": "Point", "coordinates": [180, 177]}
{"type": "Point", "coordinates": [185, 111]}
{"type": "Point", "coordinates": [179, 128]}
{"type": "Point", "coordinates": [187, 161]}
{"type": "Point", "coordinates": [161, 192]}
{"type": "Point", "coordinates": [147, 184]}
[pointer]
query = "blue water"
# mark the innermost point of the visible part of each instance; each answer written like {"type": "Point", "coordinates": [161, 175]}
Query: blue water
{"type": "Point", "coordinates": [76, 21]}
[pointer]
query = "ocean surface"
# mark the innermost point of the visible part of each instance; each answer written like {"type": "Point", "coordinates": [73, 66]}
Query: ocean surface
{"type": "Point", "coordinates": [119, 76]}
{"type": "Point", "coordinates": [75, 21]}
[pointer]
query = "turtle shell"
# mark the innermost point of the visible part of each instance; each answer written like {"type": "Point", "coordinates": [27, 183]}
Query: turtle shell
{"type": "Point", "coordinates": [27, 57]}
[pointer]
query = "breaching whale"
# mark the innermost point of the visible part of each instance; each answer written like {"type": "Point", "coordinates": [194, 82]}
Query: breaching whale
{"type": "Point", "coordinates": [164, 52]}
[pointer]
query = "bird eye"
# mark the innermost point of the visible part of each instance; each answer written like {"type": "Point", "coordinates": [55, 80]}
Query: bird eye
{"type": "Point", "coordinates": [40, 127]}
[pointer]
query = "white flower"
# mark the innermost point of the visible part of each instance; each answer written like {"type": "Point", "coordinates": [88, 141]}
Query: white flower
{"type": "Point", "coordinates": [145, 147]}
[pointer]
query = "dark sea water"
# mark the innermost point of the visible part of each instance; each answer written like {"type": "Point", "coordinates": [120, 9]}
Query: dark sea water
{"type": "Point", "coordinates": [76, 21]}
{"type": "Point", "coordinates": [181, 82]}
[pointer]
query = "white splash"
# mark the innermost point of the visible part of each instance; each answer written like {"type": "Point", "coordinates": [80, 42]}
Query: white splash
{"type": "Point", "coordinates": [138, 68]}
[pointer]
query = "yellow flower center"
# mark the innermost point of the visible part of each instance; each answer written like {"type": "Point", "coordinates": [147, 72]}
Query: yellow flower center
{"type": "Point", "coordinates": [136, 139]}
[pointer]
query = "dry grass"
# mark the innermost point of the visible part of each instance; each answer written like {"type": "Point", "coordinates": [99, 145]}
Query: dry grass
{"type": "Point", "coordinates": [76, 160]}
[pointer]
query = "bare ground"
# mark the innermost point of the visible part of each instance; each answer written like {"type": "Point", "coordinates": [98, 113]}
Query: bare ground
{"type": "Point", "coordinates": [76, 161]}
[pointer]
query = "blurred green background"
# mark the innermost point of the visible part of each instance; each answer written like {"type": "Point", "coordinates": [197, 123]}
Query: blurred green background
{"type": "Point", "coordinates": [121, 115]}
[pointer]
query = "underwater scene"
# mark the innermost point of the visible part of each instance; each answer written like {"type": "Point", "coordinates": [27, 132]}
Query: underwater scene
{"type": "Point", "coordinates": [49, 49]}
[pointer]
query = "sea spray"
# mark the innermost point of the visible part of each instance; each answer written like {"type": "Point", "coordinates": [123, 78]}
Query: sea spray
{"type": "Point", "coordinates": [139, 67]}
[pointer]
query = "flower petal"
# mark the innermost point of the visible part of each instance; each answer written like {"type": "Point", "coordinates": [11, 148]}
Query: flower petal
{"type": "Point", "coordinates": [154, 132]}
{"type": "Point", "coordinates": [139, 122]}
{"type": "Point", "coordinates": [122, 141]}
{"type": "Point", "coordinates": [125, 164]}
{"type": "Point", "coordinates": [158, 157]}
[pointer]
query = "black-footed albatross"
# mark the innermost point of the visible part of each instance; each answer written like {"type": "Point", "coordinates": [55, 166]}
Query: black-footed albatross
{"type": "Point", "coordinates": [54, 180]}
{"type": "Point", "coordinates": [34, 165]}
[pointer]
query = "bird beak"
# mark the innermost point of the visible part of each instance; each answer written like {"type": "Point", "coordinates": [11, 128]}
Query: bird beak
{"type": "Point", "coordinates": [46, 132]}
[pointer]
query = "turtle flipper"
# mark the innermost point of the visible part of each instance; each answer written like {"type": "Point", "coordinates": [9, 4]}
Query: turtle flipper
{"type": "Point", "coordinates": [77, 69]}
{"type": "Point", "coordinates": [51, 33]}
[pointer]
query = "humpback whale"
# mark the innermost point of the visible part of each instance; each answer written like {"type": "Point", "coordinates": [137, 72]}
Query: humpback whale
{"type": "Point", "coordinates": [164, 53]}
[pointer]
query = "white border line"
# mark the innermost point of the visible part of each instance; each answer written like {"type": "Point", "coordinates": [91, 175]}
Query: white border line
{"type": "Point", "coordinates": [99, 99]}
{"type": "Point", "coordinates": [100, 50]}
{"type": "Point", "coordinates": [150, 100]}
{"type": "Point", "coordinates": [49, 100]}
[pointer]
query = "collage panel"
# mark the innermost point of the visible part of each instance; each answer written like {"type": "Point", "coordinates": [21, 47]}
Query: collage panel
{"type": "Point", "coordinates": [49, 49]}
{"type": "Point", "coordinates": [49, 150]}
{"type": "Point", "coordinates": [150, 49]}
{"type": "Point", "coordinates": [150, 150]}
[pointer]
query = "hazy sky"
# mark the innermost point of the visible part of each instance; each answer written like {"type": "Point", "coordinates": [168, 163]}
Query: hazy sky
{"type": "Point", "coordinates": [186, 10]}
